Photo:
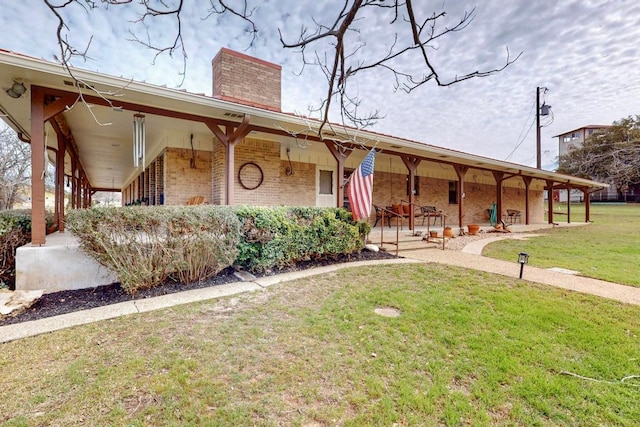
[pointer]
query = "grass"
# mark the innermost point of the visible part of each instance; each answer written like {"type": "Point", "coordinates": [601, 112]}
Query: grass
{"type": "Point", "coordinates": [607, 249]}
{"type": "Point", "coordinates": [469, 348]}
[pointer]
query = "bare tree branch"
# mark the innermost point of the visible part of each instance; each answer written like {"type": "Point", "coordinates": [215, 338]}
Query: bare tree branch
{"type": "Point", "coordinates": [333, 45]}
{"type": "Point", "coordinates": [345, 65]}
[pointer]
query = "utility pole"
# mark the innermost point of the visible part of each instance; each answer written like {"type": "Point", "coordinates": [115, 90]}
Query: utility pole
{"type": "Point", "coordinates": [538, 149]}
{"type": "Point", "coordinates": [541, 110]}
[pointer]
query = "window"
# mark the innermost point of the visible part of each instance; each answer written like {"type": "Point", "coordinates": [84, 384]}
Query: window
{"type": "Point", "coordinates": [326, 182]}
{"type": "Point", "coordinates": [453, 193]}
{"type": "Point", "coordinates": [416, 185]}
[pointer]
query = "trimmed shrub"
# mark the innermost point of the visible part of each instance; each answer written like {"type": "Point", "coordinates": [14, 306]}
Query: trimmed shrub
{"type": "Point", "coordinates": [15, 231]}
{"type": "Point", "coordinates": [281, 236]}
{"type": "Point", "coordinates": [145, 246]}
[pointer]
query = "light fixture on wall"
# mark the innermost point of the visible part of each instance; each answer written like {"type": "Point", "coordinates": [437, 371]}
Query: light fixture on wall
{"type": "Point", "coordinates": [289, 170]}
{"type": "Point", "coordinates": [139, 140]}
{"type": "Point", "coordinates": [17, 89]}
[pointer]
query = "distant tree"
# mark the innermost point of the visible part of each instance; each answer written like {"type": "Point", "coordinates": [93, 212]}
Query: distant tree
{"type": "Point", "coordinates": [15, 167]}
{"type": "Point", "coordinates": [338, 45]}
{"type": "Point", "coordinates": [611, 155]}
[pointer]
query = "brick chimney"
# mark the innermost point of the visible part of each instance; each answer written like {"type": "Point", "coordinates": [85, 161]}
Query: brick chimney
{"type": "Point", "coordinates": [246, 80]}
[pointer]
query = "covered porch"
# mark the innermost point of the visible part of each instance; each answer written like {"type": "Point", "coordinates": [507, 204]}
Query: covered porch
{"type": "Point", "coordinates": [198, 145]}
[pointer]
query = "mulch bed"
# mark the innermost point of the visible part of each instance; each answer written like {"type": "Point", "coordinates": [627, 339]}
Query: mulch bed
{"type": "Point", "coordinates": [56, 303]}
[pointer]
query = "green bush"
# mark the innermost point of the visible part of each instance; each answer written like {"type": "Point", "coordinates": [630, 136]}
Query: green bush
{"type": "Point", "coordinates": [281, 236]}
{"type": "Point", "coordinates": [145, 246]}
{"type": "Point", "coordinates": [15, 231]}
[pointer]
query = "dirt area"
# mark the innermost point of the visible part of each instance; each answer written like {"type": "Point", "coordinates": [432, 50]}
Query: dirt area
{"type": "Point", "coordinates": [63, 302]}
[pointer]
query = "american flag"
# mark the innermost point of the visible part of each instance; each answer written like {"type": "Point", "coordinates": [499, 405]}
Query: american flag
{"type": "Point", "coordinates": [361, 187]}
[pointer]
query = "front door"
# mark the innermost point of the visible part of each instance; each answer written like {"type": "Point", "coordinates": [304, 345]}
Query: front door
{"type": "Point", "coordinates": [326, 190]}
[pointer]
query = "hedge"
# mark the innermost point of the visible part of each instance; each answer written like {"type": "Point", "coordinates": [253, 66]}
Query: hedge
{"type": "Point", "coordinates": [281, 236]}
{"type": "Point", "coordinates": [145, 246]}
{"type": "Point", "coordinates": [15, 231]}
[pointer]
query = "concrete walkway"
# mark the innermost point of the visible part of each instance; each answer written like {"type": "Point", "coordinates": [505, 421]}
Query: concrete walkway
{"type": "Point", "coordinates": [469, 257]}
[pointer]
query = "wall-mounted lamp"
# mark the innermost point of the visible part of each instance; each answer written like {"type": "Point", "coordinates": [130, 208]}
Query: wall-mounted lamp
{"type": "Point", "coordinates": [289, 171]}
{"type": "Point", "coordinates": [523, 258]}
{"type": "Point", "coordinates": [17, 89]}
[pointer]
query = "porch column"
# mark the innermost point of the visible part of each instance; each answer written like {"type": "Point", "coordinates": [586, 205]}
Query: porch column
{"type": "Point", "coordinates": [229, 139]}
{"type": "Point", "coordinates": [38, 220]}
{"type": "Point", "coordinates": [72, 179]}
{"type": "Point", "coordinates": [412, 166]}
{"type": "Point", "coordinates": [587, 204]}
{"type": "Point", "coordinates": [499, 177]}
{"type": "Point", "coordinates": [60, 156]}
{"type": "Point", "coordinates": [568, 204]}
{"type": "Point", "coordinates": [550, 200]}
{"type": "Point", "coordinates": [340, 154]}
{"type": "Point", "coordinates": [527, 184]}
{"type": "Point", "coordinates": [461, 172]}
{"type": "Point", "coordinates": [79, 188]}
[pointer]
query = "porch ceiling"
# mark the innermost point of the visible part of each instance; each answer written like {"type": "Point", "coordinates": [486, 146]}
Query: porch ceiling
{"type": "Point", "coordinates": [103, 134]}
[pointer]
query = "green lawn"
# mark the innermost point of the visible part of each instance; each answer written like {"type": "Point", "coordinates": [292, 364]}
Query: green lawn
{"type": "Point", "coordinates": [607, 249]}
{"type": "Point", "coordinates": [469, 348]}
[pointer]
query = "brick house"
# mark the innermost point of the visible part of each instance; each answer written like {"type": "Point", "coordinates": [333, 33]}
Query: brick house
{"type": "Point", "coordinates": [236, 147]}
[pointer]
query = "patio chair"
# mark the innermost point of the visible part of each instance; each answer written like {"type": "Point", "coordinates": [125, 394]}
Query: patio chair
{"type": "Point", "coordinates": [379, 213]}
{"type": "Point", "coordinates": [430, 212]}
{"type": "Point", "coordinates": [195, 200]}
{"type": "Point", "coordinates": [512, 215]}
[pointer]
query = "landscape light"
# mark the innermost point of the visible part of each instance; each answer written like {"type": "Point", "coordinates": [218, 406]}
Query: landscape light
{"type": "Point", "coordinates": [523, 258]}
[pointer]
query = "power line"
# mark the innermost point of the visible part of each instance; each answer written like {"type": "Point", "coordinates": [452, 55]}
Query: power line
{"type": "Point", "coordinates": [521, 138]}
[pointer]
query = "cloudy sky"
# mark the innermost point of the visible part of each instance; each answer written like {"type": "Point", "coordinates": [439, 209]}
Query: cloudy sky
{"type": "Point", "coordinates": [584, 51]}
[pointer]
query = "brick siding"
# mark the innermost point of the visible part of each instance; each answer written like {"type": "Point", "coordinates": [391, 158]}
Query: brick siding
{"type": "Point", "coordinates": [182, 181]}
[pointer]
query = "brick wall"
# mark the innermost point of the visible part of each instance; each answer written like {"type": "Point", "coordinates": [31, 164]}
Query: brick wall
{"type": "Point", "coordinates": [298, 189]}
{"type": "Point", "coordinates": [218, 173]}
{"type": "Point", "coordinates": [182, 181]}
{"type": "Point", "coordinates": [239, 77]}
{"type": "Point", "coordinates": [265, 154]}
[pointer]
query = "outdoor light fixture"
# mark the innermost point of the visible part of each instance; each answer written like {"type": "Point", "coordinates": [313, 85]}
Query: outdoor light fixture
{"type": "Point", "coordinates": [139, 140]}
{"type": "Point", "coordinates": [523, 258]}
{"type": "Point", "coordinates": [17, 89]}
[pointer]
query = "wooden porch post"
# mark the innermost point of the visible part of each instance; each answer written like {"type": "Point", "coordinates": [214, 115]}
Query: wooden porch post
{"type": "Point", "coordinates": [412, 166]}
{"type": "Point", "coordinates": [38, 220]}
{"type": "Point", "coordinates": [461, 172]}
{"type": "Point", "coordinates": [78, 188]}
{"type": "Point", "coordinates": [60, 156]}
{"type": "Point", "coordinates": [340, 154]}
{"type": "Point", "coordinates": [587, 204]}
{"type": "Point", "coordinates": [499, 177]}
{"type": "Point", "coordinates": [568, 204]}
{"type": "Point", "coordinates": [72, 179]}
{"type": "Point", "coordinates": [550, 200]}
{"type": "Point", "coordinates": [229, 139]}
{"type": "Point", "coordinates": [527, 184]}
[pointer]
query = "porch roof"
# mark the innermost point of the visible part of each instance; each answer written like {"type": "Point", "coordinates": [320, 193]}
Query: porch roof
{"type": "Point", "coordinates": [105, 151]}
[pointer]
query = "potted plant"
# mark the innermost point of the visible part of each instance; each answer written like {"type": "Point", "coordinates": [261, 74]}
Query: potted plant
{"type": "Point", "coordinates": [433, 233]}
{"type": "Point", "coordinates": [448, 232]}
{"type": "Point", "coordinates": [473, 229]}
